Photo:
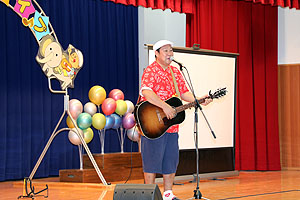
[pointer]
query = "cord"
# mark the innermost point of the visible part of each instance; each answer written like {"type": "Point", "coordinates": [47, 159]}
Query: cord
{"type": "Point", "coordinates": [130, 162]}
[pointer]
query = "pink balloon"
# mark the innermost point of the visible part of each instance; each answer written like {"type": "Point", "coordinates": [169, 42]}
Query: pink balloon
{"type": "Point", "coordinates": [116, 94]}
{"type": "Point", "coordinates": [109, 106]}
{"type": "Point", "coordinates": [75, 108]}
{"type": "Point", "coordinates": [128, 121]}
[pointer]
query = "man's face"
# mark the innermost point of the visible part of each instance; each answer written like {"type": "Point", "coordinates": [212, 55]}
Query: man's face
{"type": "Point", "coordinates": [164, 55]}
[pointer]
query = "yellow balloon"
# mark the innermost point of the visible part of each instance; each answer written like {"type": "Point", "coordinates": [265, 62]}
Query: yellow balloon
{"type": "Point", "coordinates": [97, 94]}
{"type": "Point", "coordinates": [88, 135]}
{"type": "Point", "coordinates": [121, 107]}
{"type": "Point", "coordinates": [70, 123]}
{"type": "Point", "coordinates": [98, 121]}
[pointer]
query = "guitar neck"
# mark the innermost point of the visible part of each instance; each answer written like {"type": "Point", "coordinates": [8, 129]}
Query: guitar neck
{"type": "Point", "coordinates": [188, 105]}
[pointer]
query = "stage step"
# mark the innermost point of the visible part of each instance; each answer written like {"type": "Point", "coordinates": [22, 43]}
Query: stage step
{"type": "Point", "coordinates": [113, 166]}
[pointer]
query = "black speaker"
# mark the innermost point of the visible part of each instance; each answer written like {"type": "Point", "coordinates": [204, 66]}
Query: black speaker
{"type": "Point", "coordinates": [137, 192]}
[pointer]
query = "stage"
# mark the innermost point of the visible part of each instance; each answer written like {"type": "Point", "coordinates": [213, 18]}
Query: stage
{"type": "Point", "coordinates": [250, 185]}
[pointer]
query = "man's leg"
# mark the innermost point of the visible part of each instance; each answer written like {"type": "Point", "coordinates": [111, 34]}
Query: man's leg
{"type": "Point", "coordinates": [149, 178]}
{"type": "Point", "coordinates": [168, 181]}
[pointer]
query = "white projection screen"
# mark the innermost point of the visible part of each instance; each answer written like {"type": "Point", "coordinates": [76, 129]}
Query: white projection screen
{"type": "Point", "coordinates": [208, 70]}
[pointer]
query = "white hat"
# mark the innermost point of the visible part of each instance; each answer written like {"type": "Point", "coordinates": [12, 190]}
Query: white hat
{"type": "Point", "coordinates": [161, 43]}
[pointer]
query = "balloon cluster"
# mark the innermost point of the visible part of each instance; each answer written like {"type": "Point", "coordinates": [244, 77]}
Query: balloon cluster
{"type": "Point", "coordinates": [117, 113]}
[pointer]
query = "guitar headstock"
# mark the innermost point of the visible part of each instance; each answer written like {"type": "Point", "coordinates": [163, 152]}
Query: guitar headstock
{"type": "Point", "coordinates": [218, 93]}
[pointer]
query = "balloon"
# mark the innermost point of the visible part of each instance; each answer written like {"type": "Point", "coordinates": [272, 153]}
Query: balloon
{"type": "Point", "coordinates": [73, 137]}
{"type": "Point", "coordinates": [116, 94]}
{"type": "Point", "coordinates": [133, 135]}
{"type": "Point", "coordinates": [108, 106]}
{"type": "Point", "coordinates": [128, 121]}
{"type": "Point", "coordinates": [110, 121]}
{"type": "Point", "coordinates": [130, 106]}
{"type": "Point", "coordinates": [97, 94]}
{"type": "Point", "coordinates": [75, 108]}
{"type": "Point", "coordinates": [70, 123]}
{"type": "Point", "coordinates": [99, 121]}
{"type": "Point", "coordinates": [121, 107]}
{"type": "Point", "coordinates": [118, 121]}
{"type": "Point", "coordinates": [90, 108]}
{"type": "Point", "coordinates": [84, 121]}
{"type": "Point", "coordinates": [88, 135]}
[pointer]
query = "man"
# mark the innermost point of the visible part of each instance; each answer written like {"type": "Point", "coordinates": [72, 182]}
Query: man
{"type": "Point", "coordinates": [162, 155]}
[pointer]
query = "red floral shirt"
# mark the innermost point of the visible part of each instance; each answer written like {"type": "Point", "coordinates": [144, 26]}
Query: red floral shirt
{"type": "Point", "coordinates": [161, 82]}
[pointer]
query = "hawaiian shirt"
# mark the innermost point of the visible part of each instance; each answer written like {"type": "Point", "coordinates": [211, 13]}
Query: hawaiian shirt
{"type": "Point", "coordinates": [161, 82]}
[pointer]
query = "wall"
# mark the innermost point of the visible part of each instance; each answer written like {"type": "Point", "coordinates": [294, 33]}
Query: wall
{"type": "Point", "coordinates": [288, 36]}
{"type": "Point", "coordinates": [288, 87]}
{"type": "Point", "coordinates": [156, 25]}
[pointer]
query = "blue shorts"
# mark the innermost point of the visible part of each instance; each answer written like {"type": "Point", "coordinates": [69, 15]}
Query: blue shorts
{"type": "Point", "coordinates": [160, 155]}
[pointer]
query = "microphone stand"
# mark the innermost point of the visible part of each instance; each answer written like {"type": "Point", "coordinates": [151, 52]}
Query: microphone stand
{"type": "Point", "coordinates": [197, 193]}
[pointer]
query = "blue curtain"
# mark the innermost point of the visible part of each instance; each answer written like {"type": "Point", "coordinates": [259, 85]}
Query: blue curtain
{"type": "Point", "coordinates": [107, 35]}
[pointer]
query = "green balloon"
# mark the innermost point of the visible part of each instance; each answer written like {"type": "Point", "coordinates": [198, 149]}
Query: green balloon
{"type": "Point", "coordinates": [84, 121]}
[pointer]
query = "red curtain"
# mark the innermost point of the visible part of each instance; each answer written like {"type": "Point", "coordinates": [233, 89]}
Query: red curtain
{"type": "Point", "coordinates": [182, 6]}
{"type": "Point", "coordinates": [250, 30]}
{"type": "Point", "coordinates": [187, 6]}
{"type": "Point", "coordinates": [282, 3]}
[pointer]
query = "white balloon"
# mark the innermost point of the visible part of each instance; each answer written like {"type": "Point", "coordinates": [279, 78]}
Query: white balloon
{"type": "Point", "coordinates": [130, 107]}
{"type": "Point", "coordinates": [90, 108]}
{"type": "Point", "coordinates": [73, 137]}
{"type": "Point", "coordinates": [133, 135]}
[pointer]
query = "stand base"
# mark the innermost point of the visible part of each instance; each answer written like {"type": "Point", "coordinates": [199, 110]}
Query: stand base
{"type": "Point", "coordinates": [113, 166]}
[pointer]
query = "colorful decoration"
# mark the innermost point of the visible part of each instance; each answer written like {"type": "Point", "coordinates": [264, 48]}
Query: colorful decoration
{"type": "Point", "coordinates": [97, 94]}
{"type": "Point", "coordinates": [133, 135]}
{"type": "Point", "coordinates": [40, 25]}
{"type": "Point", "coordinates": [75, 108]}
{"type": "Point", "coordinates": [121, 107]}
{"type": "Point", "coordinates": [24, 8]}
{"type": "Point", "coordinates": [110, 121]}
{"type": "Point", "coordinates": [108, 106]}
{"type": "Point", "coordinates": [73, 137]}
{"type": "Point", "coordinates": [27, 22]}
{"type": "Point", "coordinates": [90, 108]}
{"type": "Point", "coordinates": [70, 123]}
{"type": "Point", "coordinates": [128, 121]}
{"type": "Point", "coordinates": [88, 135]}
{"type": "Point", "coordinates": [116, 94]}
{"type": "Point", "coordinates": [98, 121]}
{"type": "Point", "coordinates": [84, 121]}
{"type": "Point", "coordinates": [6, 2]}
{"type": "Point", "coordinates": [55, 63]}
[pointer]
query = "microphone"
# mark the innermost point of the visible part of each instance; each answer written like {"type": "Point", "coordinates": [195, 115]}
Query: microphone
{"type": "Point", "coordinates": [180, 64]}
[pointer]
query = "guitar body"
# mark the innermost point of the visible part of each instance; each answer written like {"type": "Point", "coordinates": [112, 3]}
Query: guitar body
{"type": "Point", "coordinates": [152, 121]}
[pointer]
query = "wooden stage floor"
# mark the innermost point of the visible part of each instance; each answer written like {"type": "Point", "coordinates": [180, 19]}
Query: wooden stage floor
{"type": "Point", "coordinates": [249, 185]}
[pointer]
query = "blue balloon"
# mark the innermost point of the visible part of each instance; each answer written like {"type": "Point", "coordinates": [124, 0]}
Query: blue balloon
{"type": "Point", "coordinates": [110, 121]}
{"type": "Point", "coordinates": [84, 121]}
{"type": "Point", "coordinates": [118, 121]}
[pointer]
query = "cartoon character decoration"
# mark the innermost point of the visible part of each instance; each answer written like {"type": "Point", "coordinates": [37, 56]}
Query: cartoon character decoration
{"type": "Point", "coordinates": [59, 64]}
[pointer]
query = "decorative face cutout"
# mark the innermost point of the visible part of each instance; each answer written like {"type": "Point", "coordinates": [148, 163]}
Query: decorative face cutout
{"type": "Point", "coordinates": [59, 64]}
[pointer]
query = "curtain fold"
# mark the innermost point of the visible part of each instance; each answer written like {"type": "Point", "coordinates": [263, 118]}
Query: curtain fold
{"type": "Point", "coordinates": [188, 6]}
{"type": "Point", "coordinates": [107, 35]}
{"type": "Point", "coordinates": [250, 30]}
{"type": "Point", "coordinates": [182, 6]}
{"type": "Point", "coordinates": [282, 3]}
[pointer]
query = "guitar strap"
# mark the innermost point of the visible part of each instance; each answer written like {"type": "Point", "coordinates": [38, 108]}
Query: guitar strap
{"type": "Point", "coordinates": [175, 83]}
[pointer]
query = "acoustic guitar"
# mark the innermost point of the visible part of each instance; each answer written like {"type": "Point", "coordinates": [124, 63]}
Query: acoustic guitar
{"type": "Point", "coordinates": [151, 120]}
